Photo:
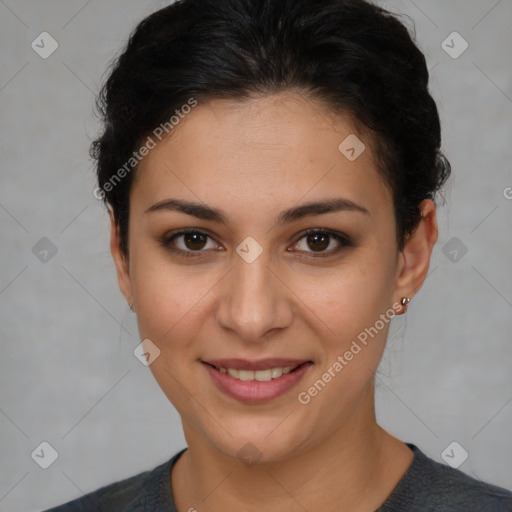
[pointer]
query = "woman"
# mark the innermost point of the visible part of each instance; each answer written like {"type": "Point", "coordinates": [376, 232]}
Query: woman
{"type": "Point", "coordinates": [270, 169]}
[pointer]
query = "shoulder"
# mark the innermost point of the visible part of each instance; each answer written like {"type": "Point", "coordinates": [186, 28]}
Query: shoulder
{"type": "Point", "coordinates": [431, 486]}
{"type": "Point", "coordinates": [135, 493]}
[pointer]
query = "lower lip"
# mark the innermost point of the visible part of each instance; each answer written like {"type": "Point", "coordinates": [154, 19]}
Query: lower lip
{"type": "Point", "coordinates": [254, 390]}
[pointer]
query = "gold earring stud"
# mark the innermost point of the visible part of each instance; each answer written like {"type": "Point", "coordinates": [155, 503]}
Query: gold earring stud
{"type": "Point", "coordinates": [404, 302]}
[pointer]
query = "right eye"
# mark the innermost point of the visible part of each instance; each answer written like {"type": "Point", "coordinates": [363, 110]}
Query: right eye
{"type": "Point", "coordinates": [192, 242]}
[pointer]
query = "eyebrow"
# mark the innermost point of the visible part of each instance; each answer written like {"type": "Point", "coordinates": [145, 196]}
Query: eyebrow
{"type": "Point", "coordinates": [205, 212]}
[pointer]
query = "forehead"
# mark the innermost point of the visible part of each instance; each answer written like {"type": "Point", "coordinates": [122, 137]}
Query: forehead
{"type": "Point", "coordinates": [261, 153]}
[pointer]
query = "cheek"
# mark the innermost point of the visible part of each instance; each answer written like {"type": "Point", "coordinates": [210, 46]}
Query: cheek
{"type": "Point", "coordinates": [163, 294]}
{"type": "Point", "coordinates": [170, 312]}
{"type": "Point", "coordinates": [351, 297]}
{"type": "Point", "coordinates": [174, 302]}
{"type": "Point", "coordinates": [348, 307]}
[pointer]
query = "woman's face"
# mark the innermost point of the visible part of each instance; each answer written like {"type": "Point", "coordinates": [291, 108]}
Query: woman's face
{"type": "Point", "coordinates": [253, 292]}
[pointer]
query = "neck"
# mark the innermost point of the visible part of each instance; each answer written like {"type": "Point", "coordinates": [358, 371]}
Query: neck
{"type": "Point", "coordinates": [354, 469]}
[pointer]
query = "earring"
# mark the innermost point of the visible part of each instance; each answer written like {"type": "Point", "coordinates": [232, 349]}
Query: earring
{"type": "Point", "coordinates": [131, 307]}
{"type": "Point", "coordinates": [404, 302]}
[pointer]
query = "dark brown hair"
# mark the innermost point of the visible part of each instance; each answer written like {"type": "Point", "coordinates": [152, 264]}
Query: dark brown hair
{"type": "Point", "coordinates": [354, 56]}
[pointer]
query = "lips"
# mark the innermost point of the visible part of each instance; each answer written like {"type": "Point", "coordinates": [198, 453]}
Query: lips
{"type": "Point", "coordinates": [256, 381]}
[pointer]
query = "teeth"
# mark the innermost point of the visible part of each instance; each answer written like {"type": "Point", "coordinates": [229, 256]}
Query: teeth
{"type": "Point", "coordinates": [276, 372]}
{"type": "Point", "coordinates": [233, 373]}
{"type": "Point", "coordinates": [245, 375]}
{"type": "Point", "coordinates": [259, 375]}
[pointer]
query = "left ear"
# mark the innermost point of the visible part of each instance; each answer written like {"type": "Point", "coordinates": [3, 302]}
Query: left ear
{"type": "Point", "coordinates": [416, 253]}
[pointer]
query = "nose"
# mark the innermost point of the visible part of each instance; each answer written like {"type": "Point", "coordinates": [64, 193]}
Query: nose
{"type": "Point", "coordinates": [254, 300]}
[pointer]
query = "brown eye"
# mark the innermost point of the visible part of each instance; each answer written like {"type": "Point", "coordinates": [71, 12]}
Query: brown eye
{"type": "Point", "coordinates": [317, 241]}
{"type": "Point", "coordinates": [190, 242]}
{"type": "Point", "coordinates": [194, 241]}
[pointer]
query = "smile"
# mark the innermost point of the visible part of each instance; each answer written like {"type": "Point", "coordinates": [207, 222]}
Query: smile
{"type": "Point", "coordinates": [259, 375]}
{"type": "Point", "coordinates": [256, 381]}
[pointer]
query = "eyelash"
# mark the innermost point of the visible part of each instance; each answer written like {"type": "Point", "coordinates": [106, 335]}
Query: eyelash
{"type": "Point", "coordinates": [343, 240]}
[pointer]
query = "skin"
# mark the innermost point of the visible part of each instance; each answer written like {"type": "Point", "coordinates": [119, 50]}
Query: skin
{"type": "Point", "coordinates": [252, 159]}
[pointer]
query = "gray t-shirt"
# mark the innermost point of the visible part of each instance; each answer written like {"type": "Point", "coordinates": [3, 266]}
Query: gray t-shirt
{"type": "Point", "coordinates": [427, 486]}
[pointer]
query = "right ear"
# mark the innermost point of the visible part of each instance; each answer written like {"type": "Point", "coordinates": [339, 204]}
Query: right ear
{"type": "Point", "coordinates": [120, 261]}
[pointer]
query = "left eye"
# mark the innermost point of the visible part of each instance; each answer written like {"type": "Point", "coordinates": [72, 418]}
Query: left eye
{"type": "Point", "coordinates": [320, 240]}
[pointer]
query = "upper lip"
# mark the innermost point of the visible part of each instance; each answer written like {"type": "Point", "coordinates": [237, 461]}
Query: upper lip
{"type": "Point", "coordinates": [261, 364]}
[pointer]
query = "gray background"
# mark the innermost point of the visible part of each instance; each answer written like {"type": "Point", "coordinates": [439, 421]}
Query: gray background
{"type": "Point", "coordinates": [67, 372]}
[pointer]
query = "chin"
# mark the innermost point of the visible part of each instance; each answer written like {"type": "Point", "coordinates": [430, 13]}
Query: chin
{"type": "Point", "coordinates": [269, 441]}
